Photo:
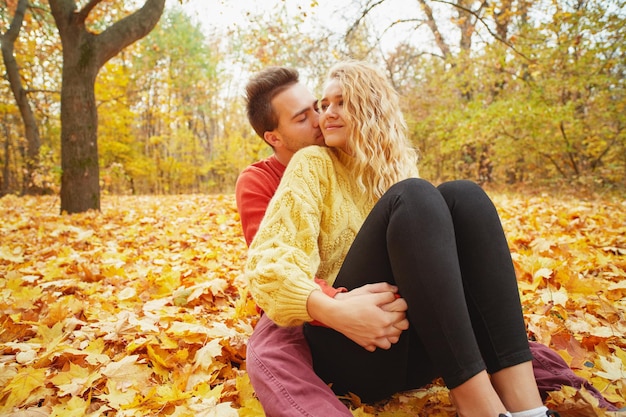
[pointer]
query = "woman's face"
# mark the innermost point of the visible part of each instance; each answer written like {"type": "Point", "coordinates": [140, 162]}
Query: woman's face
{"type": "Point", "coordinates": [332, 122]}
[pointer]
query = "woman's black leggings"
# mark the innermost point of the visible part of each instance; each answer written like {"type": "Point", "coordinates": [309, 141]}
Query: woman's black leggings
{"type": "Point", "coordinates": [445, 249]}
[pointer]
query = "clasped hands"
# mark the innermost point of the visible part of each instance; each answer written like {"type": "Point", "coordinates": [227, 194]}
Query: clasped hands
{"type": "Point", "coordinates": [373, 316]}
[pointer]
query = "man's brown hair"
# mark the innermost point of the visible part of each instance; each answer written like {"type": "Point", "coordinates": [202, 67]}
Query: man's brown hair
{"type": "Point", "coordinates": [260, 91]}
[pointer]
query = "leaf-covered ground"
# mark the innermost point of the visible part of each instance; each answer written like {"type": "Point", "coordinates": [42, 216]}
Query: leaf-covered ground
{"type": "Point", "coordinates": [140, 310]}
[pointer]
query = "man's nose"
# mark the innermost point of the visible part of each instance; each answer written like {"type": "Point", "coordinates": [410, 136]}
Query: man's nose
{"type": "Point", "coordinates": [316, 119]}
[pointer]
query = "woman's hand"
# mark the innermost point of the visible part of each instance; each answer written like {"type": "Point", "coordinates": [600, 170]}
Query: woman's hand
{"type": "Point", "coordinates": [372, 315]}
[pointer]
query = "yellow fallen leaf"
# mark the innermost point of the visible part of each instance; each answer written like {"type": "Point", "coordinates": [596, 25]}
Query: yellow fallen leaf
{"type": "Point", "coordinates": [206, 355]}
{"type": "Point", "coordinates": [11, 255]}
{"type": "Point", "coordinates": [50, 337]}
{"type": "Point", "coordinates": [74, 381]}
{"type": "Point", "coordinates": [554, 296]}
{"type": "Point", "coordinates": [26, 356]}
{"type": "Point", "coordinates": [74, 407]}
{"type": "Point", "coordinates": [8, 371]}
{"type": "Point", "coordinates": [126, 373]}
{"type": "Point", "coordinates": [21, 386]}
{"type": "Point", "coordinates": [613, 368]}
{"type": "Point", "coordinates": [209, 409]}
{"type": "Point", "coordinates": [117, 397]}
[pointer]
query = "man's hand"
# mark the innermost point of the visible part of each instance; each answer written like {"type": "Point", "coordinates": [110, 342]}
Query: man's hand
{"type": "Point", "coordinates": [372, 315]}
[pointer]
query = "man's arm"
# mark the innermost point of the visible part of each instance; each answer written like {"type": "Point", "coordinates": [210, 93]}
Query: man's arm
{"type": "Point", "coordinates": [253, 192]}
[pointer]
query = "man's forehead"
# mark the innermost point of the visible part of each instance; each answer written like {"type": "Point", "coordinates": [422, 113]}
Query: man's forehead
{"type": "Point", "coordinates": [294, 100]}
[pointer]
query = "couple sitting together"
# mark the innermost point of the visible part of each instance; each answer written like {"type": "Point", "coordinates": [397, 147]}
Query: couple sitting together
{"type": "Point", "coordinates": [371, 280]}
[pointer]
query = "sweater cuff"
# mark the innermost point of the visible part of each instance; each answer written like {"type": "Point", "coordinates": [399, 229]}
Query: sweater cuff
{"type": "Point", "coordinates": [330, 291]}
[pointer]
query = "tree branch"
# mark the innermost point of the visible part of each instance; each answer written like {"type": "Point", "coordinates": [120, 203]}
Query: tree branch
{"type": "Point", "coordinates": [35, 91]}
{"type": "Point", "coordinates": [554, 162]}
{"type": "Point", "coordinates": [481, 20]}
{"type": "Point", "coordinates": [16, 24]}
{"type": "Point", "coordinates": [596, 162]}
{"type": "Point", "coordinates": [365, 12]}
{"type": "Point", "coordinates": [568, 148]}
{"type": "Point", "coordinates": [87, 8]}
{"type": "Point", "coordinates": [398, 22]}
{"type": "Point", "coordinates": [128, 30]}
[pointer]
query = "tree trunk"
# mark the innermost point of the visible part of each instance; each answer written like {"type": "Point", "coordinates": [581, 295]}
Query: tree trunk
{"type": "Point", "coordinates": [467, 21]}
{"type": "Point", "coordinates": [502, 16]}
{"type": "Point", "coordinates": [80, 178]}
{"type": "Point", "coordinates": [6, 168]}
{"type": "Point", "coordinates": [466, 24]}
{"type": "Point", "coordinates": [31, 130]}
{"type": "Point", "coordinates": [84, 53]}
{"type": "Point", "coordinates": [432, 24]}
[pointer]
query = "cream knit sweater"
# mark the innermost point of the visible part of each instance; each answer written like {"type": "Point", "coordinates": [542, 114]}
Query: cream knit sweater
{"type": "Point", "coordinates": [307, 230]}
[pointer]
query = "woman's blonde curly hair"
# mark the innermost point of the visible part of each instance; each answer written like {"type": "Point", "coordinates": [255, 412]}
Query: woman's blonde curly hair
{"type": "Point", "coordinates": [381, 152]}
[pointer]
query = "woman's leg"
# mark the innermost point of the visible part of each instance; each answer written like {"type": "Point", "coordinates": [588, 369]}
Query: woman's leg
{"type": "Point", "coordinates": [408, 240]}
{"type": "Point", "coordinates": [517, 387]}
{"type": "Point", "coordinates": [421, 246]}
{"type": "Point", "coordinates": [492, 294]}
{"type": "Point", "coordinates": [419, 254]}
{"type": "Point", "coordinates": [489, 280]}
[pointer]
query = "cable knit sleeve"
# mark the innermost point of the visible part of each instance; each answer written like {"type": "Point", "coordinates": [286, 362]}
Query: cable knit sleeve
{"type": "Point", "coordinates": [284, 256]}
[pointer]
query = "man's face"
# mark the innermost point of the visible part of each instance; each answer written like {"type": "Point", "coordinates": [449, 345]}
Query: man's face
{"type": "Point", "coordinates": [298, 121]}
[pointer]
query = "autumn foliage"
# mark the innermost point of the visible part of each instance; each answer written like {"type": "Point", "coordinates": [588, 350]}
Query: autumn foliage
{"type": "Point", "coordinates": [140, 309]}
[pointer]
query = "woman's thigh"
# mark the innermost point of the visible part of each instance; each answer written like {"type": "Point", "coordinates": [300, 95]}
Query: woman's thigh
{"type": "Point", "coordinates": [372, 376]}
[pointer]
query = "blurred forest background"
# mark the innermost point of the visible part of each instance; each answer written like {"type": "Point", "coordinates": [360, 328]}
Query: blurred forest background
{"type": "Point", "coordinates": [504, 92]}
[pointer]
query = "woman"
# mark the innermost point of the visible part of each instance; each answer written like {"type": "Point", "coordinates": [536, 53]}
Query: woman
{"type": "Point", "coordinates": [425, 283]}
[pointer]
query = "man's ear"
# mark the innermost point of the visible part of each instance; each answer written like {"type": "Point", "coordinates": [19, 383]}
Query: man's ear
{"type": "Point", "coordinates": [272, 139]}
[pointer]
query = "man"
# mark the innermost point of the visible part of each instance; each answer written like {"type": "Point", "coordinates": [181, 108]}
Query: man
{"type": "Point", "coordinates": [284, 113]}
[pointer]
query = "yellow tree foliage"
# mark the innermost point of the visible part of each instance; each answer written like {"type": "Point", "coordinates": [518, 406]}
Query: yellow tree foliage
{"type": "Point", "coordinates": [140, 309]}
